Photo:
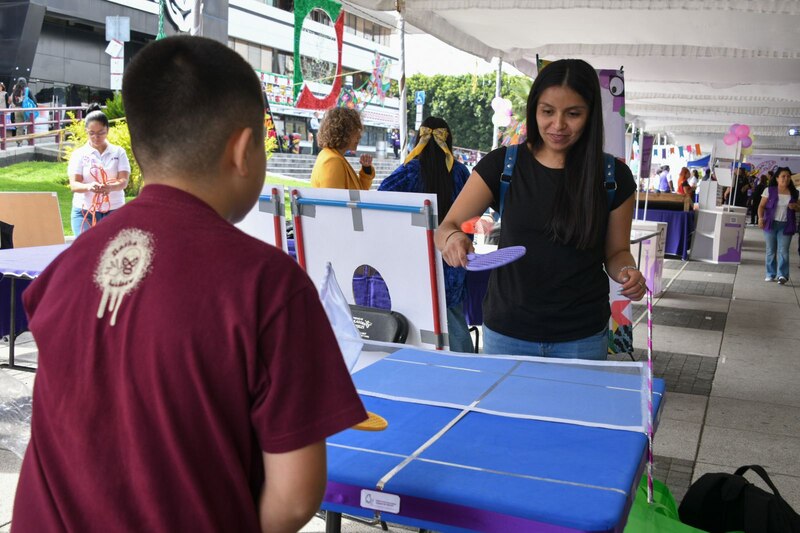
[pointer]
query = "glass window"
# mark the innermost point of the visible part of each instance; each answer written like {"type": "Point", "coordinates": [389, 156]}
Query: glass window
{"type": "Point", "coordinates": [282, 64]}
{"type": "Point", "coordinates": [241, 48]}
{"type": "Point", "coordinates": [359, 26]}
{"type": "Point", "coordinates": [254, 56]}
{"type": "Point", "coordinates": [350, 23]}
{"type": "Point", "coordinates": [266, 60]}
{"type": "Point", "coordinates": [296, 125]}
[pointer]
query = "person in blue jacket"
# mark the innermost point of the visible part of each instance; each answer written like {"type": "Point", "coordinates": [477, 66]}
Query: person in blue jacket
{"type": "Point", "coordinates": [431, 168]}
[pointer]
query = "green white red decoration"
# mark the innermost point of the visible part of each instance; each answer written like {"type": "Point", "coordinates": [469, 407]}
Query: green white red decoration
{"type": "Point", "coordinates": [306, 99]}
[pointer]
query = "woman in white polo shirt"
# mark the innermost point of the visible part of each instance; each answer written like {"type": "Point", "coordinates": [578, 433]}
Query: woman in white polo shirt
{"type": "Point", "coordinates": [98, 174]}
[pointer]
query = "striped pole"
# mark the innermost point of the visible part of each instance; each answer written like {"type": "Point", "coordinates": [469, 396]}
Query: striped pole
{"type": "Point", "coordinates": [649, 396]}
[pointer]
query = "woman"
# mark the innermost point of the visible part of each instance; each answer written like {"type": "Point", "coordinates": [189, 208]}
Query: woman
{"type": "Point", "coordinates": [15, 102]}
{"type": "Point", "coordinates": [694, 179]}
{"type": "Point", "coordinates": [683, 183]}
{"type": "Point", "coordinates": [4, 103]}
{"type": "Point", "coordinates": [430, 168]}
{"type": "Point", "coordinates": [98, 174]}
{"type": "Point", "coordinates": [554, 301]}
{"type": "Point", "coordinates": [339, 133]}
{"type": "Point", "coordinates": [776, 216]}
{"type": "Point", "coordinates": [664, 181]}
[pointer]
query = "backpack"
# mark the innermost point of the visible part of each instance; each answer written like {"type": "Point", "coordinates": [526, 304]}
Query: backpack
{"type": "Point", "coordinates": [29, 103]}
{"type": "Point", "coordinates": [728, 502]}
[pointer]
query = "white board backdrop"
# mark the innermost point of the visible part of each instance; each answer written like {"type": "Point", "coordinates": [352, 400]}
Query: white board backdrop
{"type": "Point", "coordinates": [259, 222]}
{"type": "Point", "coordinates": [394, 243]}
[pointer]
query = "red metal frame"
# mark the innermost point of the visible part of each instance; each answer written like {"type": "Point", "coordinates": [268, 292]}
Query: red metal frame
{"type": "Point", "coordinates": [298, 232]}
{"type": "Point", "coordinates": [437, 325]}
{"type": "Point", "coordinates": [276, 220]}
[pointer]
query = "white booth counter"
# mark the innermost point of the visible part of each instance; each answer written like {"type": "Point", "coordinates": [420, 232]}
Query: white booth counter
{"type": "Point", "coordinates": [719, 235]}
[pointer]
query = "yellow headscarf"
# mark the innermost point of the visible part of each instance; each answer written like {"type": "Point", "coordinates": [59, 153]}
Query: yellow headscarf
{"type": "Point", "coordinates": [440, 136]}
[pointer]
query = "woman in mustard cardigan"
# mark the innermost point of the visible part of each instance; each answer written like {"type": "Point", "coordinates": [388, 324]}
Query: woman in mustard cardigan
{"type": "Point", "coordinates": [340, 132]}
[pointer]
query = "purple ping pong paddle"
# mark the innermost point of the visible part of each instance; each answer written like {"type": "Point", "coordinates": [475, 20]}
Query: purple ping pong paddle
{"type": "Point", "coordinates": [498, 258]}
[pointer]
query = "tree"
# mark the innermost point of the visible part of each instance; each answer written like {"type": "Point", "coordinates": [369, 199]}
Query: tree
{"type": "Point", "coordinates": [465, 102]}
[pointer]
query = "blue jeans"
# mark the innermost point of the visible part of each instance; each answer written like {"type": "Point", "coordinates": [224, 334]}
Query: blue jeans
{"type": "Point", "coordinates": [594, 347]}
{"type": "Point", "coordinates": [457, 330]}
{"type": "Point", "coordinates": [81, 221]}
{"type": "Point", "coordinates": [777, 245]}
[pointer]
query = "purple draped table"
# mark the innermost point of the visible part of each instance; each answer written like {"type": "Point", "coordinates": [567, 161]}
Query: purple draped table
{"type": "Point", "coordinates": [18, 267]}
{"type": "Point", "coordinates": [679, 229]}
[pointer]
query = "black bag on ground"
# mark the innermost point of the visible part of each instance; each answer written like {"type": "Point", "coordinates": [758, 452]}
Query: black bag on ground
{"type": "Point", "coordinates": [718, 503]}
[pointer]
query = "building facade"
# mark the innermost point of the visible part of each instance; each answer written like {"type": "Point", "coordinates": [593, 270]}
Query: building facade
{"type": "Point", "coordinates": [60, 47]}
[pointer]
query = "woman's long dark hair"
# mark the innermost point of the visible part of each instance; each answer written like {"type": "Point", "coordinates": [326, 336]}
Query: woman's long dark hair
{"type": "Point", "coordinates": [433, 167]}
{"type": "Point", "coordinates": [580, 206]}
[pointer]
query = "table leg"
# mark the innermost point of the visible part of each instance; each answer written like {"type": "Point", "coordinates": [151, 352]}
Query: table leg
{"type": "Point", "coordinates": [12, 329]}
{"type": "Point", "coordinates": [639, 260]}
{"type": "Point", "coordinates": [12, 333]}
{"type": "Point", "coordinates": [333, 522]}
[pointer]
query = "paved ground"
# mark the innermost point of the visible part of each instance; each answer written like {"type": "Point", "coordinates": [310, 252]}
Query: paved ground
{"type": "Point", "coordinates": [728, 345]}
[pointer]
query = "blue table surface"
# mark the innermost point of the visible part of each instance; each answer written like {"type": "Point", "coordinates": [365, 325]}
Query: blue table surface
{"type": "Point", "coordinates": [574, 476]}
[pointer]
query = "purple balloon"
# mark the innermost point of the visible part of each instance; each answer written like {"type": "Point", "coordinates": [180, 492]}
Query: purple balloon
{"type": "Point", "coordinates": [729, 139]}
{"type": "Point", "coordinates": [742, 131]}
{"type": "Point", "coordinates": [733, 127]}
{"type": "Point", "coordinates": [746, 142]}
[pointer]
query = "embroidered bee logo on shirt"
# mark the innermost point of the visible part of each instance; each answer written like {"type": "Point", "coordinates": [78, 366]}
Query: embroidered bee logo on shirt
{"type": "Point", "coordinates": [124, 263]}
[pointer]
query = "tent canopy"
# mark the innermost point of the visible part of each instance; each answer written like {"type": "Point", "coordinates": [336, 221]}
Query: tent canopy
{"type": "Point", "coordinates": [702, 162]}
{"type": "Point", "coordinates": [692, 67]}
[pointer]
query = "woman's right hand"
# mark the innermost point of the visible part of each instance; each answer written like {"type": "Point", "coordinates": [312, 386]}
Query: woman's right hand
{"type": "Point", "coordinates": [761, 222]}
{"type": "Point", "coordinates": [456, 248]}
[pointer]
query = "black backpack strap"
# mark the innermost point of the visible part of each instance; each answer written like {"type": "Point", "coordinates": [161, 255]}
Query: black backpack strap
{"type": "Point", "coordinates": [505, 176]}
{"type": "Point", "coordinates": [610, 170]}
{"type": "Point", "coordinates": [758, 469]}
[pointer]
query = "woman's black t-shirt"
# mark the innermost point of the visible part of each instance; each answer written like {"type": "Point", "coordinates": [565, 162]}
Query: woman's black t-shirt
{"type": "Point", "coordinates": [556, 292]}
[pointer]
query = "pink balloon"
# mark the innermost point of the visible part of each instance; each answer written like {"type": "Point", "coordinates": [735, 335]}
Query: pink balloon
{"type": "Point", "coordinates": [742, 131]}
{"type": "Point", "coordinates": [746, 142]}
{"type": "Point", "coordinates": [733, 127]}
{"type": "Point", "coordinates": [729, 139]}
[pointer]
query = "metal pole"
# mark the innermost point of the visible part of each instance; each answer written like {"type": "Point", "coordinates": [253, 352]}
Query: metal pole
{"type": "Point", "coordinates": [497, 85]}
{"type": "Point", "coordinates": [637, 178]}
{"type": "Point", "coordinates": [403, 102]}
{"type": "Point", "coordinates": [197, 18]}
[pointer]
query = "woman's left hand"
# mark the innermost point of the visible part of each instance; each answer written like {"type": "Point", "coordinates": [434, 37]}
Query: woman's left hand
{"type": "Point", "coordinates": [634, 285]}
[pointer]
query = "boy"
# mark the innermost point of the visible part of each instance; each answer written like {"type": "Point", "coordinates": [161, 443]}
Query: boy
{"type": "Point", "coordinates": [187, 374]}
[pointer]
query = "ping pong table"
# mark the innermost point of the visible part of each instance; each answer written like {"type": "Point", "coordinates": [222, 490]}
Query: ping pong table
{"type": "Point", "coordinates": [481, 443]}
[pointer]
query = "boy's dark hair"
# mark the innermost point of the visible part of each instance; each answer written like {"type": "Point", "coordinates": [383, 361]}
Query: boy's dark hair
{"type": "Point", "coordinates": [95, 114]}
{"type": "Point", "coordinates": [433, 166]}
{"type": "Point", "coordinates": [180, 114]}
{"type": "Point", "coordinates": [580, 206]}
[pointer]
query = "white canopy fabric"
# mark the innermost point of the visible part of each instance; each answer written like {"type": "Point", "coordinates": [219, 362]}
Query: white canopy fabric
{"type": "Point", "coordinates": [692, 67]}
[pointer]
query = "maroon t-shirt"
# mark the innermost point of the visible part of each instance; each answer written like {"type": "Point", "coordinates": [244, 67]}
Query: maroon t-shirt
{"type": "Point", "coordinates": [173, 349]}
